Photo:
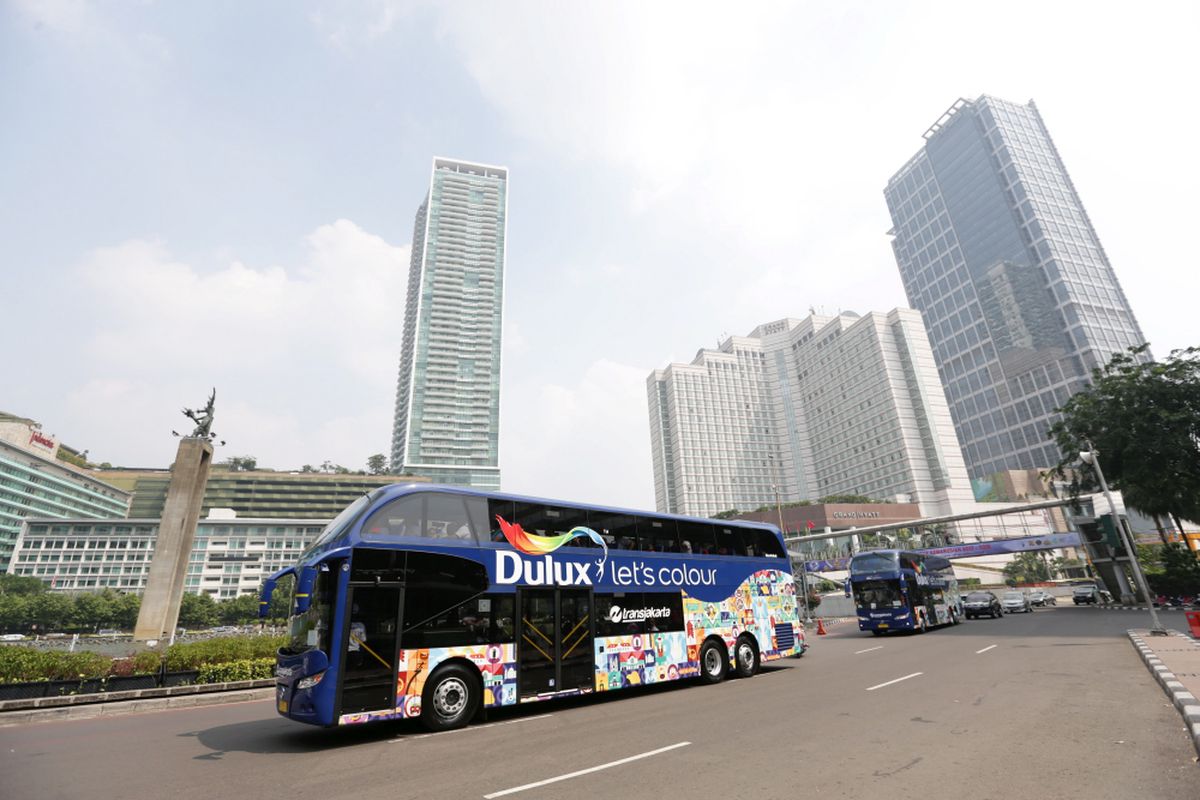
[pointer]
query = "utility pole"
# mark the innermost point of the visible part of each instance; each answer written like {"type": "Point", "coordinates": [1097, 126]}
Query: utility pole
{"type": "Point", "coordinates": [803, 564]}
{"type": "Point", "coordinates": [1092, 457]}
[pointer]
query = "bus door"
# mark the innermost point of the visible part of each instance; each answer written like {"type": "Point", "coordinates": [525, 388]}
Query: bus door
{"type": "Point", "coordinates": [369, 649]}
{"type": "Point", "coordinates": [554, 649]}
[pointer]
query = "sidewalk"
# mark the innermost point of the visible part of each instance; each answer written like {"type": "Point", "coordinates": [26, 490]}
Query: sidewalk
{"type": "Point", "coordinates": [1174, 661]}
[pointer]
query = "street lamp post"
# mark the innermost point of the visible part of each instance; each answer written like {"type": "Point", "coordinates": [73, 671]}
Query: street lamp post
{"type": "Point", "coordinates": [803, 566]}
{"type": "Point", "coordinates": [1091, 456]}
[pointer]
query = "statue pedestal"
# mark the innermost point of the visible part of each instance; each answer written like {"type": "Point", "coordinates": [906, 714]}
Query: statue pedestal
{"type": "Point", "coordinates": [176, 531]}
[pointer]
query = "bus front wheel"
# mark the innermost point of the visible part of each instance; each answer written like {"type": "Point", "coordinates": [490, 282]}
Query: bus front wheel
{"type": "Point", "coordinates": [713, 662]}
{"type": "Point", "coordinates": [450, 699]}
{"type": "Point", "coordinates": [745, 658]}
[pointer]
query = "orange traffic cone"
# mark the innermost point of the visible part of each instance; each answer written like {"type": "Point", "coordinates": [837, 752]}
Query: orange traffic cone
{"type": "Point", "coordinates": [820, 627]}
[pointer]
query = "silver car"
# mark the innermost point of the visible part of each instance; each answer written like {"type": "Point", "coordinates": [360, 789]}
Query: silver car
{"type": "Point", "coordinates": [1039, 597]}
{"type": "Point", "coordinates": [1016, 601]}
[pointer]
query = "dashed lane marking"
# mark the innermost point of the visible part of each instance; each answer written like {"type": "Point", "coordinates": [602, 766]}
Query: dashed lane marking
{"type": "Point", "coordinates": [587, 771]}
{"type": "Point", "coordinates": [889, 683]}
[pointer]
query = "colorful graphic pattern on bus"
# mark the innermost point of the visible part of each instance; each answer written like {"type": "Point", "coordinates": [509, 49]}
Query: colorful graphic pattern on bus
{"type": "Point", "coordinates": [768, 596]}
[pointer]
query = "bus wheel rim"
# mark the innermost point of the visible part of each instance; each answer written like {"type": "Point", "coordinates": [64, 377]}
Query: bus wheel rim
{"type": "Point", "coordinates": [712, 661]}
{"type": "Point", "coordinates": [450, 697]}
{"type": "Point", "coordinates": [746, 655]}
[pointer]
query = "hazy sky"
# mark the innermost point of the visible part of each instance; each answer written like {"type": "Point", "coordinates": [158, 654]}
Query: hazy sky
{"type": "Point", "coordinates": [222, 194]}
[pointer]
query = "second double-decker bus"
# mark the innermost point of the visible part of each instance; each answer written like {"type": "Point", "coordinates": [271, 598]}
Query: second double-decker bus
{"type": "Point", "coordinates": [434, 602]}
{"type": "Point", "coordinates": [902, 590]}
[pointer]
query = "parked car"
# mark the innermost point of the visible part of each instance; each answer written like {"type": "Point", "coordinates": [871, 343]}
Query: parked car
{"type": "Point", "coordinates": [12, 637]}
{"type": "Point", "coordinates": [1040, 597]}
{"type": "Point", "coordinates": [982, 604]}
{"type": "Point", "coordinates": [1017, 601]}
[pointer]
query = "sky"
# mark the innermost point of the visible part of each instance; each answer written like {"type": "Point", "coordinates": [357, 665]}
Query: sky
{"type": "Point", "coordinates": [221, 194]}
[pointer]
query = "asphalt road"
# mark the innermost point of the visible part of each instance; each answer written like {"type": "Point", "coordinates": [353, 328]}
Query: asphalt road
{"type": "Point", "coordinates": [1050, 704]}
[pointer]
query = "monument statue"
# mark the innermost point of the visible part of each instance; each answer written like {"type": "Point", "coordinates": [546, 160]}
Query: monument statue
{"type": "Point", "coordinates": [203, 418]}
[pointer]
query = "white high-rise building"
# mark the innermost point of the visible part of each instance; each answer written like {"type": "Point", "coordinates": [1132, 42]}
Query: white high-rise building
{"type": "Point", "coordinates": [447, 422]}
{"type": "Point", "coordinates": [807, 408]}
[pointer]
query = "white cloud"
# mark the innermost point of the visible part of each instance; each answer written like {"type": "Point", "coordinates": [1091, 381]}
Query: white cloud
{"type": "Point", "coordinates": [303, 357]}
{"type": "Point", "coordinates": [589, 441]}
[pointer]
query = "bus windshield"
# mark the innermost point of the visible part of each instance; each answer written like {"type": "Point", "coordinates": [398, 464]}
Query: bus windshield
{"type": "Point", "coordinates": [873, 562]}
{"type": "Point", "coordinates": [339, 523]}
{"type": "Point", "coordinates": [878, 594]}
{"type": "Point", "coordinates": [311, 629]}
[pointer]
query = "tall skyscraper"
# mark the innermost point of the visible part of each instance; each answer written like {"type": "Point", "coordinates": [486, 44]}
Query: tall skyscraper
{"type": "Point", "coordinates": [998, 254]}
{"type": "Point", "coordinates": [811, 408]}
{"type": "Point", "coordinates": [447, 419]}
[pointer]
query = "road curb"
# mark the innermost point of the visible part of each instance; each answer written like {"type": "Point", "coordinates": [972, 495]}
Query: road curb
{"type": "Point", "coordinates": [1184, 701]}
{"type": "Point", "coordinates": [91, 710]}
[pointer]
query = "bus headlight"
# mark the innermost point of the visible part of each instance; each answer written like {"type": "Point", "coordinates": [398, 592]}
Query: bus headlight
{"type": "Point", "coordinates": [310, 681]}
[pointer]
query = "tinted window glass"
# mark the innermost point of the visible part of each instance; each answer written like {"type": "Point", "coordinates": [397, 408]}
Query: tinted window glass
{"type": "Point", "coordinates": [499, 508]}
{"type": "Point", "coordinates": [696, 537]}
{"type": "Point", "coordinates": [440, 601]}
{"type": "Point", "coordinates": [481, 523]}
{"type": "Point", "coordinates": [618, 530]}
{"type": "Point", "coordinates": [657, 535]}
{"type": "Point", "coordinates": [728, 542]}
{"type": "Point", "coordinates": [446, 518]}
{"type": "Point", "coordinates": [543, 520]}
{"type": "Point", "coordinates": [761, 543]}
{"type": "Point", "coordinates": [401, 517]}
{"type": "Point", "coordinates": [386, 565]}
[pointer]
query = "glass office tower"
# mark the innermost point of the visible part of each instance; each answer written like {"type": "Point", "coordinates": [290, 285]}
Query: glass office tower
{"type": "Point", "coordinates": [997, 253]}
{"type": "Point", "coordinates": [447, 419]}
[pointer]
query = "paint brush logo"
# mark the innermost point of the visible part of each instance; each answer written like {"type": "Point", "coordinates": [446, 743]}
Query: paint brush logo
{"type": "Point", "coordinates": [532, 544]}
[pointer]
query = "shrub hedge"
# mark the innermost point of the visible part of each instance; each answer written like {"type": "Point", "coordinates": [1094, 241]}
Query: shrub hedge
{"type": "Point", "coordinates": [246, 669]}
{"type": "Point", "coordinates": [241, 655]}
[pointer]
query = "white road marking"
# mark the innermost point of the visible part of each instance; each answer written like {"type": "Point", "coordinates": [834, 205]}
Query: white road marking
{"type": "Point", "coordinates": [984, 650]}
{"type": "Point", "coordinates": [889, 683]}
{"type": "Point", "coordinates": [576, 774]}
{"type": "Point", "coordinates": [468, 728]}
{"type": "Point", "coordinates": [869, 649]}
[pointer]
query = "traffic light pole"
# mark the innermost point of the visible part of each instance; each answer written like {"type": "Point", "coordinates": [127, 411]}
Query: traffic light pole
{"type": "Point", "coordinates": [1092, 457]}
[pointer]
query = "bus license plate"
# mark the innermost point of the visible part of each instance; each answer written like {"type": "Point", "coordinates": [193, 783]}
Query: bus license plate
{"type": "Point", "coordinates": [283, 706]}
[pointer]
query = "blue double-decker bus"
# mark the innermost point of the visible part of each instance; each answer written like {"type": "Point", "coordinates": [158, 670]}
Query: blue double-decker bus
{"type": "Point", "coordinates": [901, 590]}
{"type": "Point", "coordinates": [435, 602]}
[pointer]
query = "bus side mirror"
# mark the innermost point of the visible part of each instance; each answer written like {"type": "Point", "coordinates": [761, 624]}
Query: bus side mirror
{"type": "Point", "coordinates": [846, 587]}
{"type": "Point", "coordinates": [264, 598]}
{"type": "Point", "coordinates": [304, 587]}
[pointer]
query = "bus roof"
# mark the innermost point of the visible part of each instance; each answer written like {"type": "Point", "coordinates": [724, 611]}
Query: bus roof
{"type": "Point", "coordinates": [398, 489]}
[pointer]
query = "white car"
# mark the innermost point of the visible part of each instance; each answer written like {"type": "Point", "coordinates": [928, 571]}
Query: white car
{"type": "Point", "coordinates": [12, 637]}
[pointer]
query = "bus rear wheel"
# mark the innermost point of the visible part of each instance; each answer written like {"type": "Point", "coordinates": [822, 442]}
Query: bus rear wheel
{"type": "Point", "coordinates": [745, 662]}
{"type": "Point", "coordinates": [713, 662]}
{"type": "Point", "coordinates": [450, 699]}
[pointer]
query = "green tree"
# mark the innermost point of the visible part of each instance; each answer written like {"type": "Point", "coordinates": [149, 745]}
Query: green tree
{"type": "Point", "coordinates": [197, 611]}
{"type": "Point", "coordinates": [241, 463]}
{"type": "Point", "coordinates": [20, 584]}
{"type": "Point", "coordinates": [50, 611]}
{"type": "Point", "coordinates": [15, 614]}
{"type": "Point", "coordinates": [240, 610]}
{"type": "Point", "coordinates": [125, 611]}
{"type": "Point", "coordinates": [281, 598]}
{"type": "Point", "coordinates": [377, 464]}
{"type": "Point", "coordinates": [1143, 417]}
{"type": "Point", "coordinates": [731, 513]}
{"type": "Point", "coordinates": [1177, 572]}
{"type": "Point", "coordinates": [1027, 568]}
